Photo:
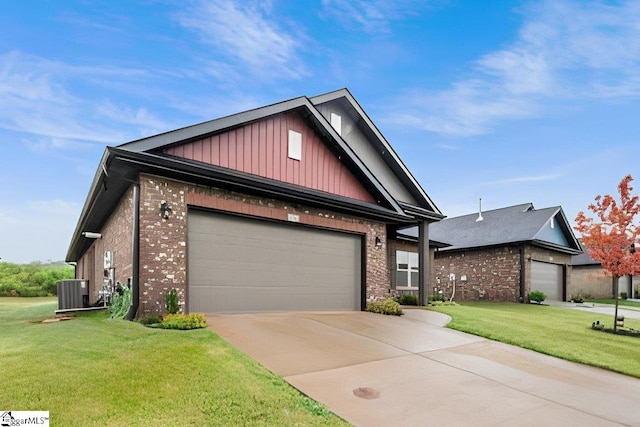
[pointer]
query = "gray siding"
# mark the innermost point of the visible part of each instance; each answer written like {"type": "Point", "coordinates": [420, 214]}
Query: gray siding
{"type": "Point", "coordinates": [359, 143]}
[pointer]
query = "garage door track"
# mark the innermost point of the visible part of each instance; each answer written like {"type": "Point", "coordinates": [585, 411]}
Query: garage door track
{"type": "Point", "coordinates": [376, 370]}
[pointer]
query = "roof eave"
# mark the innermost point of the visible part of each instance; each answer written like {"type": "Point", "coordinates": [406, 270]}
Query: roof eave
{"type": "Point", "coordinates": [219, 176]}
{"type": "Point", "coordinates": [556, 247]}
{"type": "Point", "coordinates": [212, 126]}
{"type": "Point", "coordinates": [93, 194]}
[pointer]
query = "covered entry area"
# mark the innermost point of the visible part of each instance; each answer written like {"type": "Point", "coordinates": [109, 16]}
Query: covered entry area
{"type": "Point", "coordinates": [548, 278]}
{"type": "Point", "coordinates": [240, 265]}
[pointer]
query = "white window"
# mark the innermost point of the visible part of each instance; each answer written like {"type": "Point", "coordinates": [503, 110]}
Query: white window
{"type": "Point", "coordinates": [336, 123]}
{"type": "Point", "coordinates": [295, 145]}
{"type": "Point", "coordinates": [407, 273]}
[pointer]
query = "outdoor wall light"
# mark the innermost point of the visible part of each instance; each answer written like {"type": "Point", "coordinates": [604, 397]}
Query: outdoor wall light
{"type": "Point", "coordinates": [165, 209]}
{"type": "Point", "coordinates": [91, 235]}
{"type": "Point", "coordinates": [378, 242]}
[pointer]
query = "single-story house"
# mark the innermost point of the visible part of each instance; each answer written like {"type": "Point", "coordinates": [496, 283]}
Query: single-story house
{"type": "Point", "coordinates": [590, 280]}
{"type": "Point", "coordinates": [500, 254]}
{"type": "Point", "coordinates": [285, 207]}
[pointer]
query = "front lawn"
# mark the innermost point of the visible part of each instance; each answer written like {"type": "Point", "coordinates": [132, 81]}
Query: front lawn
{"type": "Point", "coordinates": [92, 371]}
{"type": "Point", "coordinates": [559, 332]}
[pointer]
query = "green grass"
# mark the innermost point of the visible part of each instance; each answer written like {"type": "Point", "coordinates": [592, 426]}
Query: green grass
{"type": "Point", "coordinates": [559, 332]}
{"type": "Point", "coordinates": [92, 371]}
{"type": "Point", "coordinates": [613, 301]}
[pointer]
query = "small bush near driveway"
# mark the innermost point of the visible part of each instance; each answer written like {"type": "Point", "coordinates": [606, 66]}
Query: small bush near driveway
{"type": "Point", "coordinates": [388, 306]}
{"type": "Point", "coordinates": [407, 299]}
{"type": "Point", "coordinates": [536, 296]}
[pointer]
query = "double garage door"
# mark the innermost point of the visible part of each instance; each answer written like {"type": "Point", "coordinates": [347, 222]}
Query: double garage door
{"type": "Point", "coordinates": [241, 265]}
{"type": "Point", "coordinates": [548, 278]}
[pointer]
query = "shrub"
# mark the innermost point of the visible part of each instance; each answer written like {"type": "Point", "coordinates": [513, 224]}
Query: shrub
{"type": "Point", "coordinates": [537, 296]}
{"type": "Point", "coordinates": [407, 299]}
{"type": "Point", "coordinates": [388, 306]}
{"type": "Point", "coordinates": [623, 295]}
{"type": "Point", "coordinates": [436, 297]}
{"type": "Point", "coordinates": [578, 298]}
{"type": "Point", "coordinates": [120, 302]}
{"type": "Point", "coordinates": [183, 321]}
{"type": "Point", "coordinates": [150, 320]}
{"type": "Point", "coordinates": [442, 303]}
{"type": "Point", "coordinates": [172, 303]}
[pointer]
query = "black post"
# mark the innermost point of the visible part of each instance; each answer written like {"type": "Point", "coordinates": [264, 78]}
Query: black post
{"type": "Point", "coordinates": [615, 318]}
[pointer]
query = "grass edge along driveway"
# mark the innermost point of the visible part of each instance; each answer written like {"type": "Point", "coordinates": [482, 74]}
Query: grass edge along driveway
{"type": "Point", "coordinates": [555, 331]}
{"type": "Point", "coordinates": [92, 371]}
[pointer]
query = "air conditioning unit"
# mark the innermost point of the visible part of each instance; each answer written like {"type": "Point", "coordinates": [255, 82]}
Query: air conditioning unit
{"type": "Point", "coordinates": [73, 294]}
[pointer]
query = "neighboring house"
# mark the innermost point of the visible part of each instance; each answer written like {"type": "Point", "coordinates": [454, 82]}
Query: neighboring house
{"type": "Point", "coordinates": [500, 255]}
{"type": "Point", "coordinates": [590, 279]}
{"type": "Point", "coordinates": [284, 207]}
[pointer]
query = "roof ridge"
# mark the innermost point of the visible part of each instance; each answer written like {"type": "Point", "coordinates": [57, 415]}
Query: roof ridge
{"type": "Point", "coordinates": [491, 210]}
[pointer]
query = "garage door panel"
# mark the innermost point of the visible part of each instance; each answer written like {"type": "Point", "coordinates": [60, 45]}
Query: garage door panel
{"type": "Point", "coordinates": [229, 299]}
{"type": "Point", "coordinates": [245, 265]}
{"type": "Point", "coordinates": [547, 278]}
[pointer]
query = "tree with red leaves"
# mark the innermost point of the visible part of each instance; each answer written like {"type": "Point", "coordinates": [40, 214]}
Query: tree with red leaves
{"type": "Point", "coordinates": [611, 237]}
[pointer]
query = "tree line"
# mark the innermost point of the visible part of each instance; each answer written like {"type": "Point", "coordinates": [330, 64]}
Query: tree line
{"type": "Point", "coordinates": [35, 279]}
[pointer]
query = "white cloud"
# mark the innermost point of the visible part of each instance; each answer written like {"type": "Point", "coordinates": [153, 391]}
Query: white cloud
{"type": "Point", "coordinates": [141, 118]}
{"type": "Point", "coordinates": [448, 147]}
{"type": "Point", "coordinates": [245, 35]}
{"type": "Point", "coordinates": [371, 16]}
{"type": "Point", "coordinates": [565, 52]}
{"type": "Point", "coordinates": [42, 144]}
{"type": "Point", "coordinates": [37, 230]}
{"type": "Point", "coordinates": [38, 97]}
{"type": "Point", "coordinates": [521, 179]}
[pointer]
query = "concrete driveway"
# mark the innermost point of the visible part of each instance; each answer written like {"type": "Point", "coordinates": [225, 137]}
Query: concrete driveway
{"type": "Point", "coordinates": [376, 370]}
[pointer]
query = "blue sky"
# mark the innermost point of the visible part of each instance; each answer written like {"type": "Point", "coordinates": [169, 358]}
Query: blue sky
{"type": "Point", "coordinates": [511, 101]}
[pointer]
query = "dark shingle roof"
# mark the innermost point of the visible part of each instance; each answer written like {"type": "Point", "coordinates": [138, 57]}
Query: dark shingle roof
{"type": "Point", "coordinates": [519, 223]}
{"type": "Point", "coordinates": [584, 258]}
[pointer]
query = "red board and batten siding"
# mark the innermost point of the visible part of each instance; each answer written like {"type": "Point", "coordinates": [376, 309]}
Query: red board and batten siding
{"type": "Point", "coordinates": [260, 148]}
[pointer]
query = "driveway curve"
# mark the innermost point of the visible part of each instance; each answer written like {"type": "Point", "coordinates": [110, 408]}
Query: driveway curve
{"type": "Point", "coordinates": [375, 370]}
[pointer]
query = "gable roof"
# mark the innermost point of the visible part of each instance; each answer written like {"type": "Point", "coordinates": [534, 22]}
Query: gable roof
{"type": "Point", "coordinates": [120, 166]}
{"type": "Point", "coordinates": [425, 207]}
{"type": "Point", "coordinates": [513, 224]}
{"type": "Point", "coordinates": [381, 145]}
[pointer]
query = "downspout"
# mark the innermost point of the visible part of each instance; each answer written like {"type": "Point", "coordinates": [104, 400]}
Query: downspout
{"type": "Point", "coordinates": [135, 262]}
{"type": "Point", "coordinates": [521, 298]}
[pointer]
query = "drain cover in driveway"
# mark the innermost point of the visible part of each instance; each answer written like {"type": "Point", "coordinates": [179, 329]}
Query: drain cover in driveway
{"type": "Point", "coordinates": [366, 393]}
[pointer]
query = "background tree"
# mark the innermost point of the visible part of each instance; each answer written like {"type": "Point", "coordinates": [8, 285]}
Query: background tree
{"type": "Point", "coordinates": [610, 237]}
{"type": "Point", "coordinates": [32, 280]}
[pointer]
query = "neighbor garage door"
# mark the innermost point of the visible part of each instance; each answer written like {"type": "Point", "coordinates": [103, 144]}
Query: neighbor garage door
{"type": "Point", "coordinates": [237, 264]}
{"type": "Point", "coordinates": [547, 278]}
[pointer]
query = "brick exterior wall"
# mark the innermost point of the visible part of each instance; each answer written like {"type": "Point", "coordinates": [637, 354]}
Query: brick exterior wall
{"type": "Point", "coordinates": [163, 241]}
{"type": "Point", "coordinates": [591, 280]}
{"type": "Point", "coordinates": [400, 245]}
{"type": "Point", "coordinates": [492, 274]}
{"type": "Point", "coordinates": [117, 234]}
